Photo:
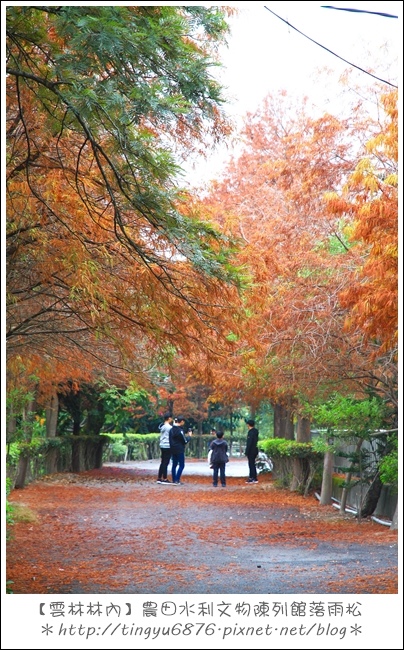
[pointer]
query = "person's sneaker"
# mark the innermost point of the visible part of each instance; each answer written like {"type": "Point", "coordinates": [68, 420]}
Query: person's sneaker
{"type": "Point", "coordinates": [254, 481]}
{"type": "Point", "coordinates": [249, 480]}
{"type": "Point", "coordinates": [159, 481]}
{"type": "Point", "coordinates": [214, 484]}
{"type": "Point", "coordinates": [164, 480]}
{"type": "Point", "coordinates": [223, 484]}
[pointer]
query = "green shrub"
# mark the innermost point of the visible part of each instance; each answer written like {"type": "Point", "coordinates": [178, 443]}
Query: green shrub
{"type": "Point", "coordinates": [57, 452]}
{"type": "Point", "coordinates": [339, 481]}
{"type": "Point", "coordinates": [281, 448]}
{"type": "Point", "coordinates": [13, 454]}
{"type": "Point", "coordinates": [9, 506]}
{"type": "Point", "coordinates": [389, 465]}
{"type": "Point", "coordinates": [141, 446]}
{"type": "Point", "coordinates": [296, 465]}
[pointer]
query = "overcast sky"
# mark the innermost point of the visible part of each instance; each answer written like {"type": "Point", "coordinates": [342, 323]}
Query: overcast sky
{"type": "Point", "coordinates": [265, 55]}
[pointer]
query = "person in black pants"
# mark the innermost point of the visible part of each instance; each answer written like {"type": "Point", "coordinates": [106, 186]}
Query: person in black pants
{"type": "Point", "coordinates": [178, 441]}
{"type": "Point", "coordinates": [251, 450]}
{"type": "Point", "coordinates": [219, 458]}
{"type": "Point", "coordinates": [165, 448]}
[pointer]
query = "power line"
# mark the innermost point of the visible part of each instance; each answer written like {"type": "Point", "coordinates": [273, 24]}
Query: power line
{"type": "Point", "coordinates": [359, 11]}
{"type": "Point", "coordinates": [330, 51]}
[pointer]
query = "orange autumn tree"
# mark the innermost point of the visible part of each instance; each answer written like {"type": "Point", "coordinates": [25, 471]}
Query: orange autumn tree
{"type": "Point", "coordinates": [370, 198]}
{"type": "Point", "coordinates": [293, 347]}
{"type": "Point", "coordinates": [271, 198]}
{"type": "Point", "coordinates": [106, 267]}
{"type": "Point", "coordinates": [108, 272]}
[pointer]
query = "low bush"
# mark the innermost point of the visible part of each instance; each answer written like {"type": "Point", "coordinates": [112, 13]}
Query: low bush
{"type": "Point", "coordinates": [296, 465]}
{"type": "Point", "coordinates": [133, 446]}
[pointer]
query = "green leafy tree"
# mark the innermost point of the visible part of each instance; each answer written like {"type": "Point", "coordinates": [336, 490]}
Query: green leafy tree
{"type": "Point", "coordinates": [389, 464]}
{"type": "Point", "coordinates": [349, 420]}
{"type": "Point", "coordinates": [126, 410]}
{"type": "Point", "coordinates": [133, 85]}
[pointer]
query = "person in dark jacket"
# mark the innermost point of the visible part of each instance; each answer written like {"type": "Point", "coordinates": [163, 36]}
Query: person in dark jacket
{"type": "Point", "coordinates": [251, 451]}
{"type": "Point", "coordinates": [178, 442]}
{"type": "Point", "coordinates": [219, 458]}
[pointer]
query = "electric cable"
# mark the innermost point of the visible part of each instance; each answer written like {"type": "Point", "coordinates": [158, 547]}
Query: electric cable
{"type": "Point", "coordinates": [330, 51]}
{"type": "Point", "coordinates": [360, 11]}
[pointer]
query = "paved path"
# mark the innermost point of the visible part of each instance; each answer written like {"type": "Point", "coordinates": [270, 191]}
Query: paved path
{"type": "Point", "coordinates": [235, 467]}
{"type": "Point", "coordinates": [116, 530]}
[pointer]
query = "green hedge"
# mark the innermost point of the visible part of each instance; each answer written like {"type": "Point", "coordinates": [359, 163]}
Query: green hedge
{"type": "Point", "coordinates": [139, 446]}
{"type": "Point", "coordinates": [281, 448]}
{"type": "Point", "coordinates": [133, 437]}
{"type": "Point", "coordinates": [296, 465]}
{"type": "Point", "coordinates": [145, 446]}
{"type": "Point", "coordinates": [29, 460]}
{"type": "Point", "coordinates": [37, 447]}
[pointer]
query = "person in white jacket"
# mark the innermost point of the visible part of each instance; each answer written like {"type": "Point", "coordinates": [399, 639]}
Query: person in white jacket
{"type": "Point", "coordinates": [165, 448]}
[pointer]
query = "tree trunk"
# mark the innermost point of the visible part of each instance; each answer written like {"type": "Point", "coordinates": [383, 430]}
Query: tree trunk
{"type": "Point", "coordinates": [52, 461]}
{"type": "Point", "coordinates": [279, 421]}
{"type": "Point", "coordinates": [76, 444]}
{"type": "Point", "coordinates": [303, 433]}
{"type": "Point", "coordinates": [51, 414]}
{"type": "Point", "coordinates": [11, 426]}
{"type": "Point", "coordinates": [76, 426]}
{"type": "Point", "coordinates": [11, 429]}
{"type": "Point", "coordinates": [76, 464]}
{"type": "Point", "coordinates": [95, 418]}
{"type": "Point", "coordinates": [310, 475]}
{"type": "Point", "coordinates": [231, 430]}
{"type": "Point", "coordinates": [23, 461]}
{"type": "Point", "coordinates": [199, 445]}
{"type": "Point", "coordinates": [170, 407]}
{"type": "Point", "coordinates": [298, 475]}
{"type": "Point", "coordinates": [372, 497]}
{"type": "Point", "coordinates": [345, 492]}
{"type": "Point", "coordinates": [289, 425]}
{"type": "Point", "coordinates": [99, 453]}
{"type": "Point", "coordinates": [326, 485]}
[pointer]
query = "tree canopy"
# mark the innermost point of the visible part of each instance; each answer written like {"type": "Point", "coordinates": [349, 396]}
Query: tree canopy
{"type": "Point", "coordinates": [111, 265]}
{"type": "Point", "coordinates": [103, 250]}
{"type": "Point", "coordinates": [317, 215]}
{"type": "Point", "coordinates": [371, 198]}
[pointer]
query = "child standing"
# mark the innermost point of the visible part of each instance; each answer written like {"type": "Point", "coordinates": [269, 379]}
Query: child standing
{"type": "Point", "coordinates": [219, 458]}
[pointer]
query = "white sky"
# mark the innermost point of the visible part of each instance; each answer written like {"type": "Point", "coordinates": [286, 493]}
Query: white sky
{"type": "Point", "coordinates": [265, 55]}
